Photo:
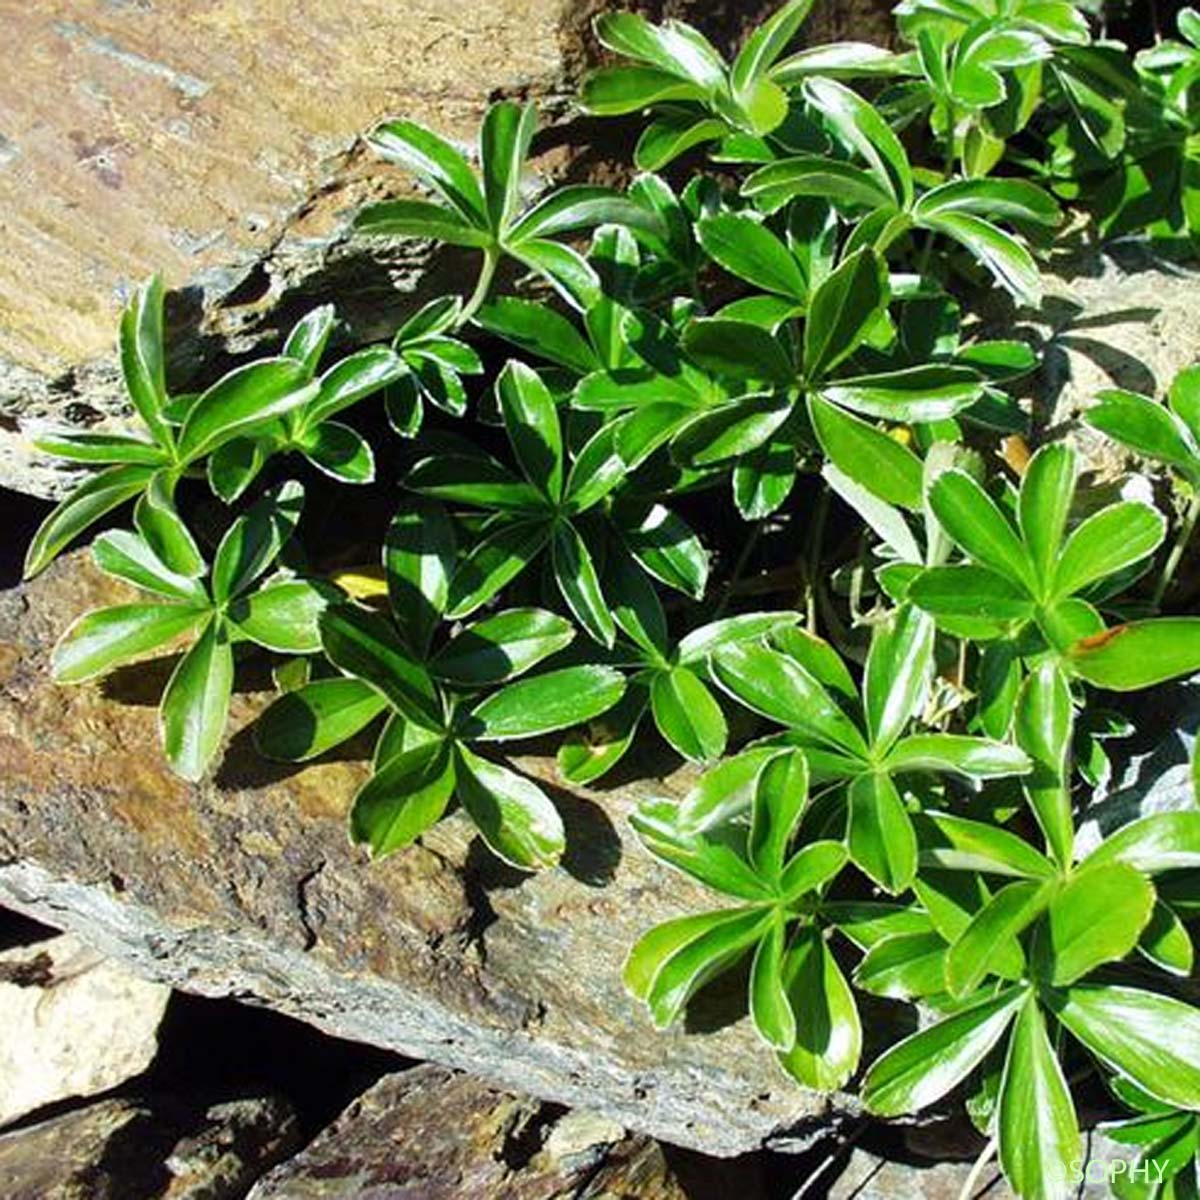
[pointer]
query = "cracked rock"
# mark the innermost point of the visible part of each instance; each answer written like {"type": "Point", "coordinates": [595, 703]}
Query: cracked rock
{"type": "Point", "coordinates": [247, 885]}
{"type": "Point", "coordinates": [74, 1024]}
{"type": "Point", "coordinates": [433, 1134]}
{"type": "Point", "coordinates": [152, 1148]}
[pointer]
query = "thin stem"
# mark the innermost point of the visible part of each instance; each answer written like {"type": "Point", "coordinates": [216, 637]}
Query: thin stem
{"type": "Point", "coordinates": [739, 568]}
{"type": "Point", "coordinates": [814, 558]}
{"type": "Point", "coordinates": [972, 1180]}
{"type": "Point", "coordinates": [1175, 557]}
{"type": "Point", "coordinates": [487, 272]}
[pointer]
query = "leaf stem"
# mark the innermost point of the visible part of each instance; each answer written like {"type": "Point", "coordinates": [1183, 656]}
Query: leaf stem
{"type": "Point", "coordinates": [972, 1180]}
{"type": "Point", "coordinates": [739, 568]}
{"type": "Point", "coordinates": [1186, 529]}
{"type": "Point", "coordinates": [487, 272]}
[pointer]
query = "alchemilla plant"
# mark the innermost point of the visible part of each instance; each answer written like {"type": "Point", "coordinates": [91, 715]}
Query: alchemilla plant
{"type": "Point", "coordinates": [736, 493]}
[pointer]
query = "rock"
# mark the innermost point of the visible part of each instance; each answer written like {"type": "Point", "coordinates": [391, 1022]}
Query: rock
{"type": "Point", "coordinates": [156, 1148]}
{"type": "Point", "coordinates": [438, 1135]}
{"type": "Point", "coordinates": [224, 149]}
{"type": "Point", "coordinates": [75, 1024]}
{"type": "Point", "coordinates": [246, 886]}
{"type": "Point", "coordinates": [1118, 318]}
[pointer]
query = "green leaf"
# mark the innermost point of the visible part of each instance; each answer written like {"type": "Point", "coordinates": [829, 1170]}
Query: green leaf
{"type": "Point", "coordinates": [968, 591]}
{"type": "Point", "coordinates": [598, 469]}
{"type": "Point", "coordinates": [418, 560]}
{"type": "Point", "coordinates": [283, 616]}
{"type": "Point", "coordinates": [769, 1007]}
{"type": "Point", "coordinates": [687, 715]}
{"type": "Point", "coordinates": [504, 140]}
{"type": "Point", "coordinates": [531, 422]}
{"type": "Point", "coordinates": [234, 465]}
{"type": "Point", "coordinates": [658, 945]}
{"type": "Point", "coordinates": [1107, 542]}
{"type": "Point", "coordinates": [780, 797]}
{"type": "Point", "coordinates": [1158, 842]}
{"type": "Point", "coordinates": [843, 310]}
{"type": "Point", "coordinates": [615, 91]}
{"type": "Point", "coordinates": [748, 249]}
{"type": "Point", "coordinates": [83, 507]}
{"type": "Point", "coordinates": [932, 392]}
{"type": "Point", "coordinates": [972, 519]}
{"type": "Point", "coordinates": [713, 862]}
{"type": "Point", "coordinates": [1009, 263]}
{"type": "Point", "coordinates": [696, 646]}
{"type": "Point", "coordinates": [730, 430]}
{"type": "Point", "coordinates": [766, 43]}
{"type": "Point", "coordinates": [867, 455]}
{"type": "Point", "coordinates": [723, 791]}
{"type": "Point", "coordinates": [195, 704]}
{"type": "Point", "coordinates": [356, 377]}
{"type": "Point", "coordinates": [1042, 727]}
{"type": "Point", "coordinates": [501, 646]}
{"type": "Point", "coordinates": [473, 479]}
{"type": "Point", "coordinates": [881, 838]}
{"type": "Point", "coordinates": [1125, 1027]}
{"type": "Point", "coordinates": [1166, 942]}
{"type": "Point", "coordinates": [340, 452]}
{"type": "Point", "coordinates": [538, 330]}
{"type": "Point", "coordinates": [1036, 1127]}
{"type": "Point", "coordinates": [705, 957]}
{"type": "Point", "coordinates": [1043, 506]}
{"type": "Point", "coordinates": [405, 796]}
{"type": "Point", "coordinates": [100, 641]}
{"type": "Point", "coordinates": [828, 1031]}
{"type": "Point", "coordinates": [898, 671]}
{"type": "Point", "coordinates": [436, 162]}
{"type": "Point", "coordinates": [309, 336]}
{"type": "Point", "coordinates": [673, 47]}
{"type": "Point", "coordinates": [1011, 199]}
{"type": "Point", "coordinates": [142, 357]}
{"type": "Point", "coordinates": [517, 820]}
{"type": "Point", "coordinates": [253, 541]}
{"type": "Point", "coordinates": [565, 269]}
{"type": "Point", "coordinates": [576, 575]}
{"type": "Point", "coordinates": [667, 548]}
{"type": "Point", "coordinates": [579, 206]}
{"type": "Point", "coordinates": [811, 867]}
{"type": "Point", "coordinates": [957, 754]}
{"type": "Point", "coordinates": [100, 448]}
{"type": "Point", "coordinates": [1072, 941]}
{"type": "Point", "coordinates": [1146, 427]}
{"type": "Point", "coordinates": [960, 844]}
{"type": "Point", "coordinates": [738, 350]}
{"type": "Point", "coordinates": [314, 718]}
{"type": "Point", "coordinates": [904, 966]}
{"type": "Point", "coordinates": [589, 753]}
{"type": "Point", "coordinates": [1008, 913]}
{"type": "Point", "coordinates": [925, 1066]}
{"type": "Point", "coordinates": [862, 129]}
{"type": "Point", "coordinates": [364, 645]}
{"type": "Point", "coordinates": [498, 558]}
{"type": "Point", "coordinates": [244, 398]}
{"type": "Point", "coordinates": [124, 555]}
{"type": "Point", "coordinates": [158, 521]}
{"type": "Point", "coordinates": [544, 703]}
{"type": "Point", "coordinates": [1184, 399]}
{"type": "Point", "coordinates": [777, 687]}
{"type": "Point", "coordinates": [1139, 654]}
{"type": "Point", "coordinates": [837, 60]}
{"type": "Point", "coordinates": [844, 186]}
{"type": "Point", "coordinates": [420, 219]}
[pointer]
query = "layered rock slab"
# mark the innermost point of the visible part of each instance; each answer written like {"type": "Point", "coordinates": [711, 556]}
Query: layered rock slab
{"type": "Point", "coordinates": [246, 886]}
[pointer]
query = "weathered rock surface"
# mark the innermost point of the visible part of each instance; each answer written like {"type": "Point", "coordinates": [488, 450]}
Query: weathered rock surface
{"type": "Point", "coordinates": [223, 148]}
{"type": "Point", "coordinates": [1118, 318]}
{"type": "Point", "coordinates": [247, 886]}
{"type": "Point", "coordinates": [159, 1148]}
{"type": "Point", "coordinates": [437, 1135]}
{"type": "Point", "coordinates": [73, 1022]}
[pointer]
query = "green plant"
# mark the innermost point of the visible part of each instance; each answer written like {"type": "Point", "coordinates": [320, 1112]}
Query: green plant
{"type": "Point", "coordinates": [745, 442]}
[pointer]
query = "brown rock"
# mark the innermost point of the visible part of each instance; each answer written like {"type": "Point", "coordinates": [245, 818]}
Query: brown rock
{"type": "Point", "coordinates": [221, 146]}
{"type": "Point", "coordinates": [247, 886]}
{"type": "Point", "coordinates": [158, 1148]}
{"type": "Point", "coordinates": [433, 1134]}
